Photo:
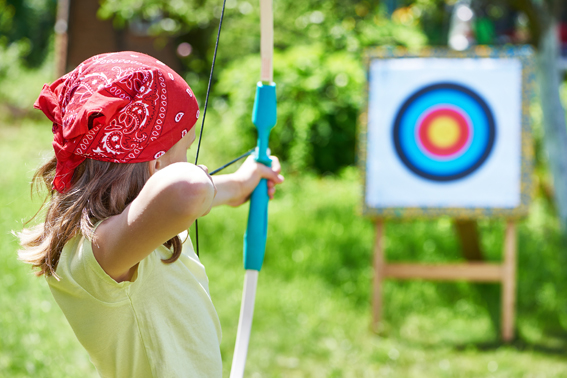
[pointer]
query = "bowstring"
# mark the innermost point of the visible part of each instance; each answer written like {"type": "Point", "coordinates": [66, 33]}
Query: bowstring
{"type": "Point", "coordinates": [205, 110]}
{"type": "Point", "coordinates": [248, 153]}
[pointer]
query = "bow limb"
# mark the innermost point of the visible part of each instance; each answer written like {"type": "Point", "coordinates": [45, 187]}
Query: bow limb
{"type": "Point", "coordinates": [267, 41]}
{"type": "Point", "coordinates": [264, 118]}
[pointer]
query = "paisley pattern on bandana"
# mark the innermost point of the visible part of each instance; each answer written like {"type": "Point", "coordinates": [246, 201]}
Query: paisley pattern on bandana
{"type": "Point", "coordinates": [119, 107]}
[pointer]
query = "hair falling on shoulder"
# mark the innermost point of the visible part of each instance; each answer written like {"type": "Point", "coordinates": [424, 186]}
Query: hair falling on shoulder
{"type": "Point", "coordinates": [98, 191]}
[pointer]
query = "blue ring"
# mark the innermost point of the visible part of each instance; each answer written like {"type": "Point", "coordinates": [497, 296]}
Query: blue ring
{"type": "Point", "coordinates": [483, 132]}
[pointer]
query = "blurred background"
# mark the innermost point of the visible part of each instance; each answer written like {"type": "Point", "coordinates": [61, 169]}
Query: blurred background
{"type": "Point", "coordinates": [312, 316]}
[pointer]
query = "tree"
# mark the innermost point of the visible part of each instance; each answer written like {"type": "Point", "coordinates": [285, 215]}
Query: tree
{"type": "Point", "coordinates": [543, 17]}
{"type": "Point", "coordinates": [28, 23]}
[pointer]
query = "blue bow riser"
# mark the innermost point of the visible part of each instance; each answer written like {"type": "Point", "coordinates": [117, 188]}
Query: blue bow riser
{"type": "Point", "coordinates": [264, 118]}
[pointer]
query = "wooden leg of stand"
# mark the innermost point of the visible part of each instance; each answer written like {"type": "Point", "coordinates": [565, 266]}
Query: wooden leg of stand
{"type": "Point", "coordinates": [467, 231]}
{"type": "Point", "coordinates": [509, 283]}
{"type": "Point", "coordinates": [378, 276]}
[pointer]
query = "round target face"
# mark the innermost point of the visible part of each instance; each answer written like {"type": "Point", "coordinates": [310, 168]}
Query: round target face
{"type": "Point", "coordinates": [444, 132]}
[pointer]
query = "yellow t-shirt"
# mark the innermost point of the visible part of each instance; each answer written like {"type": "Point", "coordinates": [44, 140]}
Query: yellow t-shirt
{"type": "Point", "coordinates": [160, 324]}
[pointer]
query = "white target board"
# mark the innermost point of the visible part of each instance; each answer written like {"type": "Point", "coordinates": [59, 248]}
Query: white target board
{"type": "Point", "coordinates": [447, 134]}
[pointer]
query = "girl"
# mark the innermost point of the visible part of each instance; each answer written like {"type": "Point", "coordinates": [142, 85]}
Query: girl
{"type": "Point", "coordinates": [121, 192]}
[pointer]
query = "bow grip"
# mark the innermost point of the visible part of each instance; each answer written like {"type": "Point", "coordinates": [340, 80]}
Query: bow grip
{"type": "Point", "coordinates": [264, 117]}
{"type": "Point", "coordinates": [257, 229]}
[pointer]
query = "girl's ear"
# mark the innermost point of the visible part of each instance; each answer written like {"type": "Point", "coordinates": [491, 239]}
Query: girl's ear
{"type": "Point", "coordinates": [154, 166]}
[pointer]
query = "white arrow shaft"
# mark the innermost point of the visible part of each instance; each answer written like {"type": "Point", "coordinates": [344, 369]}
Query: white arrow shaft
{"type": "Point", "coordinates": [244, 324]}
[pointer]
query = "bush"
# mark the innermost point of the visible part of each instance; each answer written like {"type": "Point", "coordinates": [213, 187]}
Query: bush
{"type": "Point", "coordinates": [319, 97]}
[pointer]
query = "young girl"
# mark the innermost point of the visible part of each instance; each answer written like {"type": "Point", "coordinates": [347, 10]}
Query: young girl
{"type": "Point", "coordinates": [121, 192]}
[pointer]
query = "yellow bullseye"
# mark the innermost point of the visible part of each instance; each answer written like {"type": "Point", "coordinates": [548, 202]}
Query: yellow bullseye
{"type": "Point", "coordinates": [443, 132]}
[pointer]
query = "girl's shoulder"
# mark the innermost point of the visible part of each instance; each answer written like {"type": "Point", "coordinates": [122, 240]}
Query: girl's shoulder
{"type": "Point", "coordinates": [78, 264]}
{"type": "Point", "coordinates": [78, 271]}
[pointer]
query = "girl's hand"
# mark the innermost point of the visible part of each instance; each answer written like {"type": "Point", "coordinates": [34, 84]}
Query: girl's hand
{"type": "Point", "coordinates": [235, 189]}
{"type": "Point", "coordinates": [249, 176]}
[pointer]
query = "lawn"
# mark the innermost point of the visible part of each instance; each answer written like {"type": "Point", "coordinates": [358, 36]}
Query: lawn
{"type": "Point", "coordinates": [312, 310]}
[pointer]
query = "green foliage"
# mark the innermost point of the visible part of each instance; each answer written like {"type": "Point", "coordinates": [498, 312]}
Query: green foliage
{"type": "Point", "coordinates": [434, 18]}
{"type": "Point", "coordinates": [319, 95]}
{"type": "Point", "coordinates": [9, 53]}
{"type": "Point", "coordinates": [6, 15]}
{"type": "Point", "coordinates": [29, 23]}
{"type": "Point", "coordinates": [20, 85]}
{"type": "Point", "coordinates": [183, 14]}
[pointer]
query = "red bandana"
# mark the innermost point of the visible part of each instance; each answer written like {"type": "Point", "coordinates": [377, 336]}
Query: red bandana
{"type": "Point", "coordinates": [123, 107]}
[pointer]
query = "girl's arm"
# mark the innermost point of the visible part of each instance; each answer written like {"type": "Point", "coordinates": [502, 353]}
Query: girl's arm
{"type": "Point", "coordinates": [169, 203]}
{"type": "Point", "coordinates": [234, 189]}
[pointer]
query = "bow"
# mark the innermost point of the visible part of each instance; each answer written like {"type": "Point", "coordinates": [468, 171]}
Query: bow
{"type": "Point", "coordinates": [264, 118]}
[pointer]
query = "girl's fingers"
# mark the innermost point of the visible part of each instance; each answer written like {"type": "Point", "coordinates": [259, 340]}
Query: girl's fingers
{"type": "Point", "coordinates": [275, 177]}
{"type": "Point", "coordinates": [270, 173]}
{"type": "Point", "coordinates": [271, 192]}
{"type": "Point", "coordinates": [251, 173]}
{"type": "Point", "coordinates": [276, 166]}
{"type": "Point", "coordinates": [204, 168]}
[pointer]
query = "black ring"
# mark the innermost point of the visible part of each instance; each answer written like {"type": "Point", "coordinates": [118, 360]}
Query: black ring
{"type": "Point", "coordinates": [472, 168]}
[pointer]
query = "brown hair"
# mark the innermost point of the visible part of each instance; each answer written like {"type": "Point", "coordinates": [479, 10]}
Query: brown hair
{"type": "Point", "coordinates": [98, 190]}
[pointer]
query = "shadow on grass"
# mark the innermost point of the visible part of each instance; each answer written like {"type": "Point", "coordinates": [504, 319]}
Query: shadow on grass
{"type": "Point", "coordinates": [520, 344]}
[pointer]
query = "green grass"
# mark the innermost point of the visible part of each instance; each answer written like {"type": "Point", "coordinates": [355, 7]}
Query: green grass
{"type": "Point", "coordinates": [35, 339]}
{"type": "Point", "coordinates": [312, 310]}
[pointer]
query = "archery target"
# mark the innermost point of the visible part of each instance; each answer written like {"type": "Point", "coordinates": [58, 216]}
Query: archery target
{"type": "Point", "coordinates": [444, 133]}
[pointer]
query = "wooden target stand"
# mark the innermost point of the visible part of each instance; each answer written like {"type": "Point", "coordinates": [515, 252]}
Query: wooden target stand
{"type": "Point", "coordinates": [474, 270]}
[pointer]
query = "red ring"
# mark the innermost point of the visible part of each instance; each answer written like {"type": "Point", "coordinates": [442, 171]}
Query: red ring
{"type": "Point", "coordinates": [425, 125]}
